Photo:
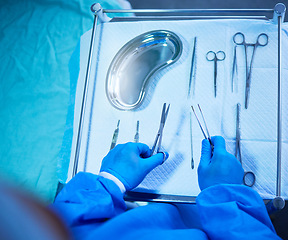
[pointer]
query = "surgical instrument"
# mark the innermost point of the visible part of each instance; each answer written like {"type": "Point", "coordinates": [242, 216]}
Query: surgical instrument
{"type": "Point", "coordinates": [249, 177]}
{"type": "Point", "coordinates": [234, 69]}
{"type": "Point", "coordinates": [158, 138]}
{"type": "Point", "coordinates": [193, 68]}
{"type": "Point", "coordinates": [115, 136]}
{"type": "Point", "coordinates": [208, 135]}
{"type": "Point", "coordinates": [191, 142]}
{"type": "Point", "coordinates": [239, 39]}
{"type": "Point", "coordinates": [136, 137]}
{"type": "Point", "coordinates": [214, 57]}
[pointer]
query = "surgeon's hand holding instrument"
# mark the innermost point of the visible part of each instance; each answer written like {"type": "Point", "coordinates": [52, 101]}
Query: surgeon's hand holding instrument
{"type": "Point", "coordinates": [249, 177]}
{"type": "Point", "coordinates": [115, 136]}
{"type": "Point", "coordinates": [130, 163]}
{"type": "Point", "coordinates": [221, 168]}
{"type": "Point", "coordinates": [214, 57]}
{"type": "Point", "coordinates": [239, 39]}
{"type": "Point", "coordinates": [159, 135]}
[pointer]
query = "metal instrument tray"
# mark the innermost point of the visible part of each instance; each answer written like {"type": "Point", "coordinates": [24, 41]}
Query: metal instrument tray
{"type": "Point", "coordinates": [169, 15]}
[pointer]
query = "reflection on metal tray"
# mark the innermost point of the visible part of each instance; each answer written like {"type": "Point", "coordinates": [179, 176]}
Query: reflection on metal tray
{"type": "Point", "coordinates": [135, 64]}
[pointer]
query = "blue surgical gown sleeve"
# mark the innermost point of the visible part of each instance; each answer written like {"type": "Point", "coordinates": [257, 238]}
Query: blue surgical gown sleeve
{"type": "Point", "coordinates": [226, 212]}
{"type": "Point", "coordinates": [87, 201]}
{"type": "Point", "coordinates": [234, 212]}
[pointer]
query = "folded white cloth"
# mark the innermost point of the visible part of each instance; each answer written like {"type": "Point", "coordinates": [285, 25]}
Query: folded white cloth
{"type": "Point", "coordinates": [170, 85]}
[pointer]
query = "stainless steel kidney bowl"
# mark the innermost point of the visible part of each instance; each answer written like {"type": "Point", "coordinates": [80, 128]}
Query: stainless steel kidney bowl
{"type": "Point", "coordinates": [135, 64]}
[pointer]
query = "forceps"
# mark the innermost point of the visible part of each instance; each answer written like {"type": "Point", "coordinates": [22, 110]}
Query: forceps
{"type": "Point", "coordinates": [249, 177]}
{"type": "Point", "coordinates": [205, 136]}
{"type": "Point", "coordinates": [239, 39]}
{"type": "Point", "coordinates": [193, 69]}
{"type": "Point", "coordinates": [212, 56]}
{"type": "Point", "coordinates": [160, 131]}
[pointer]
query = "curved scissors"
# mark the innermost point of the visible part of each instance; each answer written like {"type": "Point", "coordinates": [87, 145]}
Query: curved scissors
{"type": "Point", "coordinates": [218, 56]}
{"type": "Point", "coordinates": [239, 39]}
{"type": "Point", "coordinates": [249, 177]}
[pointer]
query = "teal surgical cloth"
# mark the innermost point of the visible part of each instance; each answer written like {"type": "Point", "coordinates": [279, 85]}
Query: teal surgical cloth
{"type": "Point", "coordinates": [37, 39]}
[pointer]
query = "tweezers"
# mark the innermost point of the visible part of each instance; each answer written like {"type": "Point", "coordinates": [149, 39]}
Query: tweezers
{"type": "Point", "coordinates": [193, 69]}
{"type": "Point", "coordinates": [205, 136]}
{"type": "Point", "coordinates": [234, 70]}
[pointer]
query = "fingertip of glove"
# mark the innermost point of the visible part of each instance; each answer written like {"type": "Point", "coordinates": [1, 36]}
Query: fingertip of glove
{"type": "Point", "coordinates": [165, 156]}
{"type": "Point", "coordinates": [205, 142]}
{"type": "Point", "coordinates": [219, 142]}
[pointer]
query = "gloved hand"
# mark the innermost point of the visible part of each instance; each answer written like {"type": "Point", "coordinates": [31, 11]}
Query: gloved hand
{"type": "Point", "coordinates": [223, 167]}
{"type": "Point", "coordinates": [131, 162]}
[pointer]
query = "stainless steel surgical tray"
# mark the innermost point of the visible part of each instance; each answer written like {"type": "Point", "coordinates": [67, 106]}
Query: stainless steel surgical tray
{"type": "Point", "coordinates": [189, 14]}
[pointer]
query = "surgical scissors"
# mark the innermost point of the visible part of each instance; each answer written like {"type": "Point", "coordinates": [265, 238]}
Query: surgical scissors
{"type": "Point", "coordinates": [212, 56]}
{"type": "Point", "coordinates": [249, 177]}
{"type": "Point", "coordinates": [239, 39]}
{"type": "Point", "coordinates": [115, 136]}
{"type": "Point", "coordinates": [205, 136]}
{"type": "Point", "coordinates": [136, 137]}
{"type": "Point", "coordinates": [160, 131]}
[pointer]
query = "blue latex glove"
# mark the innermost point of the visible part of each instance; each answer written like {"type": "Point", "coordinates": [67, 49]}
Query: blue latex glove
{"type": "Point", "coordinates": [223, 167]}
{"type": "Point", "coordinates": [131, 162]}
